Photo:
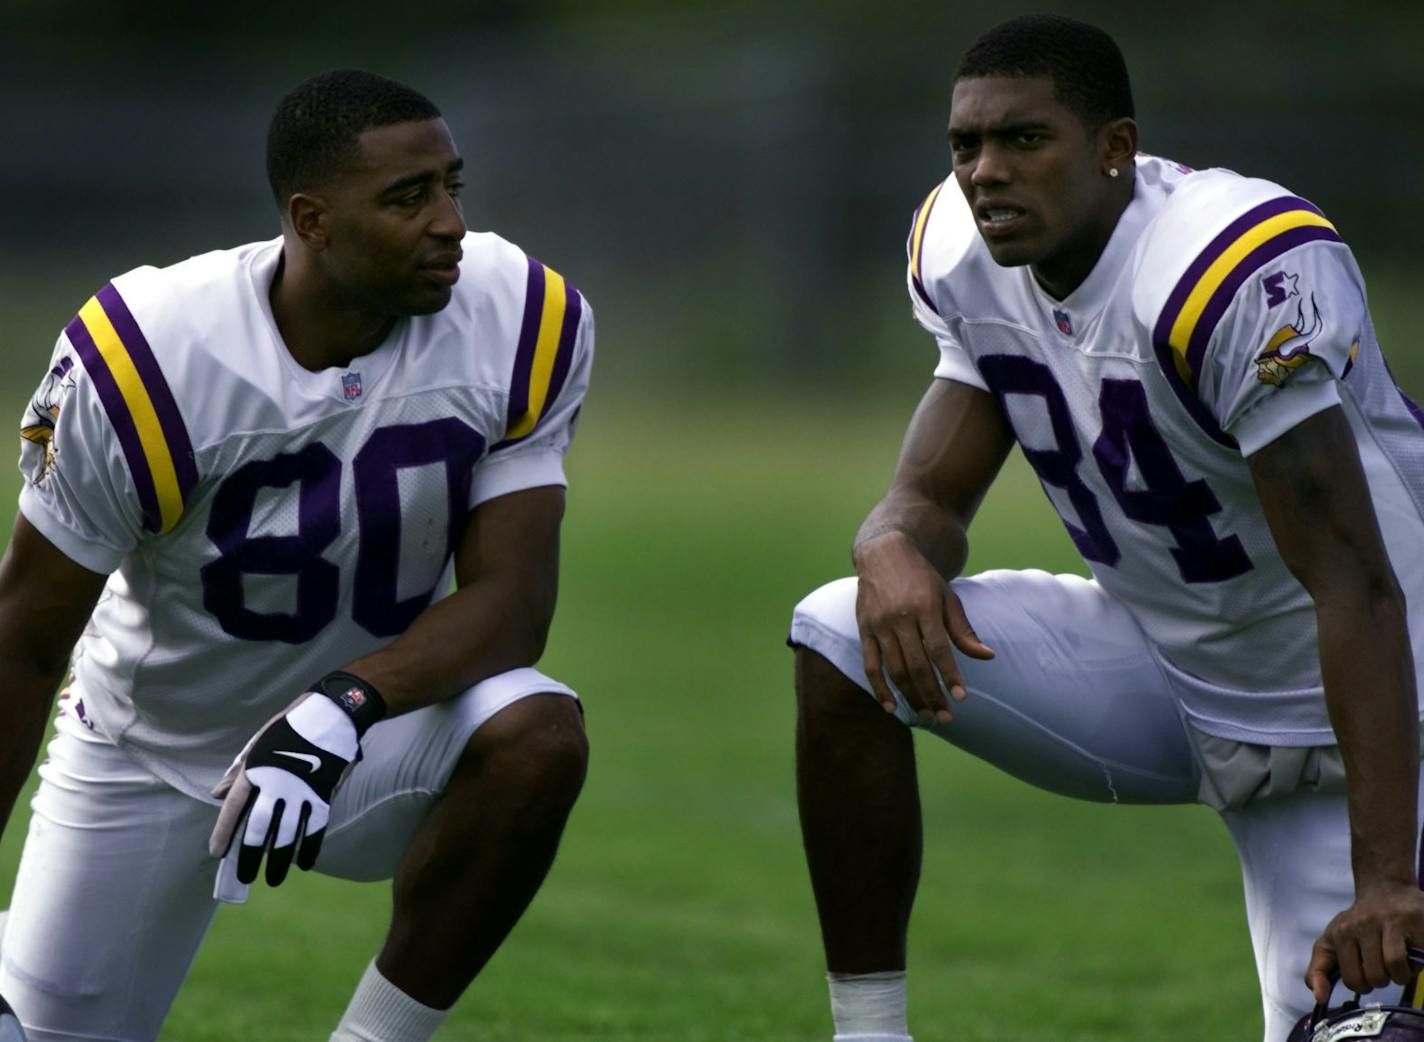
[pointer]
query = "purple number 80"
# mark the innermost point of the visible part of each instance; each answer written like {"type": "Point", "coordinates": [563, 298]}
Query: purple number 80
{"type": "Point", "coordinates": [316, 470]}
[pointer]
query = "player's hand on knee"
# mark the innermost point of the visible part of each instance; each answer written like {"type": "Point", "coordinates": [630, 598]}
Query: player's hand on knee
{"type": "Point", "coordinates": [277, 793]}
{"type": "Point", "coordinates": [910, 622]}
{"type": "Point", "coordinates": [1366, 942]}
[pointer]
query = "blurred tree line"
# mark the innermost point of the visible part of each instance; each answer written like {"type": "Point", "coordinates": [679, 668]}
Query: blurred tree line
{"type": "Point", "coordinates": [730, 183]}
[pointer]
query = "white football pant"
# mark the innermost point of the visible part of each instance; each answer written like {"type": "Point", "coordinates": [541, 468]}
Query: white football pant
{"type": "Point", "coordinates": [115, 886]}
{"type": "Point", "coordinates": [1075, 703]}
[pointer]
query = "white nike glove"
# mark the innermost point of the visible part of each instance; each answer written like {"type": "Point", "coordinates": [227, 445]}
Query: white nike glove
{"type": "Point", "coordinates": [282, 783]}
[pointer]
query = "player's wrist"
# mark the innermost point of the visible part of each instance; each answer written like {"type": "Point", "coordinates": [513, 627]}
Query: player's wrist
{"type": "Point", "coordinates": [357, 699]}
{"type": "Point", "coordinates": [1382, 879]}
{"type": "Point", "coordinates": [868, 545]}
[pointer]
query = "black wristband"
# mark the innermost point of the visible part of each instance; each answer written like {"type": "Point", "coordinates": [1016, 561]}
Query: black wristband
{"type": "Point", "coordinates": [356, 698]}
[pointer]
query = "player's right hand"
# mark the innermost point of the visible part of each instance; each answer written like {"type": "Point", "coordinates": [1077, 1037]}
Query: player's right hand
{"type": "Point", "coordinates": [910, 623]}
{"type": "Point", "coordinates": [1368, 944]}
{"type": "Point", "coordinates": [277, 793]}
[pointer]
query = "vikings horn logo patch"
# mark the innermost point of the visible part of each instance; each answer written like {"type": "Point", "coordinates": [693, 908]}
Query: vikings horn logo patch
{"type": "Point", "coordinates": [43, 411]}
{"type": "Point", "coordinates": [1289, 347]}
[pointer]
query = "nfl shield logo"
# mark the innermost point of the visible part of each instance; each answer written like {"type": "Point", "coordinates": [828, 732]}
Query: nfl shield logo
{"type": "Point", "coordinates": [1060, 318]}
{"type": "Point", "coordinates": [351, 386]}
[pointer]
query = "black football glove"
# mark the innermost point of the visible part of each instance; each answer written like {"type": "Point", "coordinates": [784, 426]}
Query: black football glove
{"type": "Point", "coordinates": [282, 783]}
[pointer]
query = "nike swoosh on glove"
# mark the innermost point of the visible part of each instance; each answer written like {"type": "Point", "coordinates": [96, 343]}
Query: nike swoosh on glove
{"type": "Point", "coordinates": [278, 791]}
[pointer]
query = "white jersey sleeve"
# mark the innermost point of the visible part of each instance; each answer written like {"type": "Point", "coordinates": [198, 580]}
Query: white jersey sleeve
{"type": "Point", "coordinates": [1264, 311]}
{"type": "Point", "coordinates": [550, 377]}
{"type": "Point", "coordinates": [263, 523]}
{"type": "Point", "coordinates": [79, 442]}
{"type": "Point", "coordinates": [1292, 331]}
{"type": "Point", "coordinates": [928, 261]}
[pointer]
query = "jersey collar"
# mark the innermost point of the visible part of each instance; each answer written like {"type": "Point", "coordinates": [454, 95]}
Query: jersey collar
{"type": "Point", "coordinates": [1078, 309]}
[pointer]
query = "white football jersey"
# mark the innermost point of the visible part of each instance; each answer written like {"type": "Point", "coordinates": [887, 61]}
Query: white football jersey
{"type": "Point", "coordinates": [1223, 312]}
{"type": "Point", "coordinates": [263, 523]}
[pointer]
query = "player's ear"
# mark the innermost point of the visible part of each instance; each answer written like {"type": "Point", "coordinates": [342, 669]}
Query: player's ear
{"type": "Point", "coordinates": [1117, 143]}
{"type": "Point", "coordinates": [309, 217]}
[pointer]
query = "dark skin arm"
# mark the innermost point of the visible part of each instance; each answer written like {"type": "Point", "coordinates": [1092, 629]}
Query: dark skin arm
{"type": "Point", "coordinates": [1313, 491]}
{"type": "Point", "coordinates": [507, 574]}
{"type": "Point", "coordinates": [915, 539]}
{"type": "Point", "coordinates": [506, 566]}
{"type": "Point", "coordinates": [45, 600]}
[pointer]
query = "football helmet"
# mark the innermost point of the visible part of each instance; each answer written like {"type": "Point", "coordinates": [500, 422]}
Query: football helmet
{"type": "Point", "coordinates": [1379, 1023]}
{"type": "Point", "coordinates": [10, 1030]}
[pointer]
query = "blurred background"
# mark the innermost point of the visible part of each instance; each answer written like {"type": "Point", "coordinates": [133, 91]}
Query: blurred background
{"type": "Point", "coordinates": [730, 183]}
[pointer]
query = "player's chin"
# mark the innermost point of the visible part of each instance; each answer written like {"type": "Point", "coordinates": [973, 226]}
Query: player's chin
{"type": "Point", "coordinates": [426, 299]}
{"type": "Point", "coordinates": [1012, 253]}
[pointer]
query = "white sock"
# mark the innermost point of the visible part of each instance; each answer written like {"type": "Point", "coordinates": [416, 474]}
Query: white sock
{"type": "Point", "coordinates": [381, 1012]}
{"type": "Point", "coordinates": [869, 1007]}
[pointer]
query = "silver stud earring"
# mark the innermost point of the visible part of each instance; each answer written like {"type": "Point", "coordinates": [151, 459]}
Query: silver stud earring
{"type": "Point", "coordinates": [1112, 171]}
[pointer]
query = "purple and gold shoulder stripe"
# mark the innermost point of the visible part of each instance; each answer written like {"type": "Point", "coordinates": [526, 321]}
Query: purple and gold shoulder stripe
{"type": "Point", "coordinates": [915, 247]}
{"type": "Point", "coordinates": [139, 404]}
{"type": "Point", "coordinates": [1204, 292]}
{"type": "Point", "coordinates": [1206, 289]}
{"type": "Point", "coordinates": [552, 309]}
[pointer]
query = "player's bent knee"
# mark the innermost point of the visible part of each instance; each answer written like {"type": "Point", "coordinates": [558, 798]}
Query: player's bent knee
{"type": "Point", "coordinates": [538, 741]}
{"type": "Point", "coordinates": [823, 689]}
{"type": "Point", "coordinates": [827, 612]}
{"type": "Point", "coordinates": [830, 666]}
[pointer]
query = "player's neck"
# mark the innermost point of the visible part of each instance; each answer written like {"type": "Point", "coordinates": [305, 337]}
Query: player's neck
{"type": "Point", "coordinates": [1060, 275]}
{"type": "Point", "coordinates": [320, 329]}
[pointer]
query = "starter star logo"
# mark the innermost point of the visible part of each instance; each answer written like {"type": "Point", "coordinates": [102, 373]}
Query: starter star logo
{"type": "Point", "coordinates": [1280, 287]}
{"type": "Point", "coordinates": [1289, 347]}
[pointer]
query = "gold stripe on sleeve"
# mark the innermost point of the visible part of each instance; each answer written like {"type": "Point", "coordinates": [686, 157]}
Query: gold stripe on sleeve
{"type": "Point", "coordinates": [140, 405]}
{"type": "Point", "coordinates": [546, 350]}
{"type": "Point", "coordinates": [1222, 267]}
{"type": "Point", "coordinates": [922, 220]}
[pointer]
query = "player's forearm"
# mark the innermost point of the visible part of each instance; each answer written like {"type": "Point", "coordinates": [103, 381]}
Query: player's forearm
{"type": "Point", "coordinates": [24, 708]}
{"type": "Point", "coordinates": [936, 533]}
{"type": "Point", "coordinates": [953, 449]}
{"type": "Point", "coordinates": [484, 628]}
{"type": "Point", "coordinates": [1368, 669]}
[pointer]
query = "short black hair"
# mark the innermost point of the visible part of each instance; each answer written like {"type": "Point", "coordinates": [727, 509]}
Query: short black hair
{"type": "Point", "coordinates": [314, 130]}
{"type": "Point", "coordinates": [1085, 63]}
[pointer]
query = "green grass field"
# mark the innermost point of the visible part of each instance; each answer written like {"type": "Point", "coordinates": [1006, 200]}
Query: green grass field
{"type": "Point", "coordinates": [679, 907]}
